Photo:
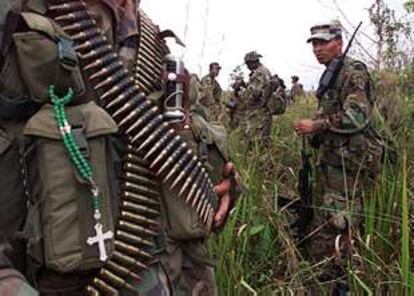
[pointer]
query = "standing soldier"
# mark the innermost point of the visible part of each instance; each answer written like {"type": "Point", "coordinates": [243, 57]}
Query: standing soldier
{"type": "Point", "coordinates": [212, 92]}
{"type": "Point", "coordinates": [348, 157]}
{"type": "Point", "coordinates": [234, 106]}
{"type": "Point", "coordinates": [257, 117]}
{"type": "Point", "coordinates": [297, 88]}
{"type": "Point", "coordinates": [98, 152]}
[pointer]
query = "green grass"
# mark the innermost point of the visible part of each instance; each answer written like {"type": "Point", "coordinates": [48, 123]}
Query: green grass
{"type": "Point", "coordinates": [256, 252]}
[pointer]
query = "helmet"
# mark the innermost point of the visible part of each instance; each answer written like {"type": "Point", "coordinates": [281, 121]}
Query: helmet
{"type": "Point", "coordinates": [252, 57]}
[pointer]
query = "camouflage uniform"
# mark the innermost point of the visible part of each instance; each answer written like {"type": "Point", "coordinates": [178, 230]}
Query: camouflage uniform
{"type": "Point", "coordinates": [235, 104]}
{"type": "Point", "coordinates": [258, 120]}
{"type": "Point", "coordinates": [211, 99]}
{"type": "Point", "coordinates": [348, 163]}
{"type": "Point", "coordinates": [184, 267]}
{"type": "Point", "coordinates": [182, 264]}
{"type": "Point", "coordinates": [297, 88]}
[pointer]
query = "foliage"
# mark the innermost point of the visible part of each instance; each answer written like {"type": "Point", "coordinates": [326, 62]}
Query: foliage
{"type": "Point", "coordinates": [257, 252]}
{"type": "Point", "coordinates": [391, 32]}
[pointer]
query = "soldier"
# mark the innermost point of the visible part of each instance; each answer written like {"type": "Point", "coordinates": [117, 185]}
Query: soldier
{"type": "Point", "coordinates": [257, 116]}
{"type": "Point", "coordinates": [235, 104]}
{"type": "Point", "coordinates": [60, 153]}
{"type": "Point", "coordinates": [348, 159]}
{"type": "Point", "coordinates": [212, 92]}
{"type": "Point", "coordinates": [297, 88]}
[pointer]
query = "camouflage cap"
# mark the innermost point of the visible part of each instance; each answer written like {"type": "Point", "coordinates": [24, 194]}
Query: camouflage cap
{"type": "Point", "coordinates": [326, 31]}
{"type": "Point", "coordinates": [252, 56]}
{"type": "Point", "coordinates": [214, 64]}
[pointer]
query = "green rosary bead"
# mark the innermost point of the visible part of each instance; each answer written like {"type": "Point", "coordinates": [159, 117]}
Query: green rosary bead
{"type": "Point", "coordinates": [81, 164]}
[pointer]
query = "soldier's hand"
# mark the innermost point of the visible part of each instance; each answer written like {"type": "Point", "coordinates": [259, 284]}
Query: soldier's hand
{"type": "Point", "coordinates": [304, 126]}
{"type": "Point", "coordinates": [223, 191]}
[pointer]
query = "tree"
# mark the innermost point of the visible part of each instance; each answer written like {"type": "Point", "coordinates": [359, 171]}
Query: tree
{"type": "Point", "coordinates": [393, 50]}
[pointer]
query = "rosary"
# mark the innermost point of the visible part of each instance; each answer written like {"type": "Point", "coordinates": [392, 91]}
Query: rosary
{"type": "Point", "coordinates": [82, 166]}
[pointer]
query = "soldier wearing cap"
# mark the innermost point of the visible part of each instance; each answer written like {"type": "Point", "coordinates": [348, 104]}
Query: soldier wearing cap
{"type": "Point", "coordinates": [297, 88]}
{"type": "Point", "coordinates": [212, 92]}
{"type": "Point", "coordinates": [258, 119]}
{"type": "Point", "coordinates": [348, 158]}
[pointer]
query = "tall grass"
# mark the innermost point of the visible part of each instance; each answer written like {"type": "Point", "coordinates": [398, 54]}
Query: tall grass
{"type": "Point", "coordinates": [257, 253]}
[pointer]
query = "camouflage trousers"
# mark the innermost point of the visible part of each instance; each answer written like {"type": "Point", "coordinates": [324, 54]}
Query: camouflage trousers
{"type": "Point", "coordinates": [181, 271]}
{"type": "Point", "coordinates": [214, 112]}
{"type": "Point", "coordinates": [258, 128]}
{"type": "Point", "coordinates": [337, 222]}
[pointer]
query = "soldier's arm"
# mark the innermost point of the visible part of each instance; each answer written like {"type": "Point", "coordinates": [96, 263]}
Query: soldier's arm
{"type": "Point", "coordinates": [357, 107]}
{"type": "Point", "coordinates": [11, 281]}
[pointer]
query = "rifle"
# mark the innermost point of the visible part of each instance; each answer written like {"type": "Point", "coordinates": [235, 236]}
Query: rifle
{"type": "Point", "coordinates": [302, 207]}
{"type": "Point", "coordinates": [331, 73]}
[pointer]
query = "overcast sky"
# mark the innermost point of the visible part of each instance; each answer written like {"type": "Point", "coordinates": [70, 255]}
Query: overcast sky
{"type": "Point", "coordinates": [224, 30]}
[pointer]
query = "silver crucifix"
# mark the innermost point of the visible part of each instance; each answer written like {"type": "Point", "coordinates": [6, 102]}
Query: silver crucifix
{"type": "Point", "coordinates": [100, 240]}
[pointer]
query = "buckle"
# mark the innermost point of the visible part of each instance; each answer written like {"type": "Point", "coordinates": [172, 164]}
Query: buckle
{"type": "Point", "coordinates": [67, 53]}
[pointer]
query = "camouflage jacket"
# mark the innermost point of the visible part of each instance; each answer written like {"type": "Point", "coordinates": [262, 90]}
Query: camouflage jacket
{"type": "Point", "coordinates": [256, 89]}
{"type": "Point", "coordinates": [343, 113]}
{"type": "Point", "coordinates": [213, 88]}
{"type": "Point", "coordinates": [211, 97]}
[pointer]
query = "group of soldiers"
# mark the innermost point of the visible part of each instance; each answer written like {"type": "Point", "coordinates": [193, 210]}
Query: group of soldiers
{"type": "Point", "coordinates": [252, 104]}
{"type": "Point", "coordinates": [349, 150]}
{"type": "Point", "coordinates": [115, 169]}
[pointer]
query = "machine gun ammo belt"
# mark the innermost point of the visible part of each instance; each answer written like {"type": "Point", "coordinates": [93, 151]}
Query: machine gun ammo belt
{"type": "Point", "coordinates": [154, 148]}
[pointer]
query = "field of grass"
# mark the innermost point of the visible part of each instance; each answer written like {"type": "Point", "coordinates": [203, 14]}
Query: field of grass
{"type": "Point", "coordinates": [256, 253]}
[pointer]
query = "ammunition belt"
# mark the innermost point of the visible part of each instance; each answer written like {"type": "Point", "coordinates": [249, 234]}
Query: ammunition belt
{"type": "Point", "coordinates": [150, 55]}
{"type": "Point", "coordinates": [152, 143]}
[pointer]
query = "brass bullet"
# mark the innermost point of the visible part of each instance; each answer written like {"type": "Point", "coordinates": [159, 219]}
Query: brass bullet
{"type": "Point", "coordinates": [87, 34]}
{"type": "Point", "coordinates": [191, 178]}
{"type": "Point", "coordinates": [184, 159]}
{"type": "Point", "coordinates": [81, 25]}
{"type": "Point", "coordinates": [196, 185]}
{"type": "Point", "coordinates": [74, 5]}
{"type": "Point", "coordinates": [145, 118]}
{"type": "Point", "coordinates": [136, 101]}
{"type": "Point", "coordinates": [164, 128]}
{"type": "Point", "coordinates": [151, 127]}
{"type": "Point", "coordinates": [134, 251]}
{"type": "Point", "coordinates": [102, 62]}
{"type": "Point", "coordinates": [104, 287]}
{"type": "Point", "coordinates": [140, 179]}
{"type": "Point", "coordinates": [136, 229]}
{"type": "Point", "coordinates": [171, 159]}
{"type": "Point", "coordinates": [140, 189]}
{"type": "Point", "coordinates": [133, 207]}
{"type": "Point", "coordinates": [133, 239]}
{"type": "Point", "coordinates": [136, 113]}
{"type": "Point", "coordinates": [91, 291]}
{"type": "Point", "coordinates": [98, 52]}
{"type": "Point", "coordinates": [122, 271]}
{"type": "Point", "coordinates": [107, 70]}
{"type": "Point", "coordinates": [115, 279]}
{"type": "Point", "coordinates": [186, 171]}
{"type": "Point", "coordinates": [127, 260]}
{"type": "Point", "coordinates": [92, 43]}
{"type": "Point", "coordinates": [122, 73]}
{"type": "Point", "coordinates": [140, 198]}
{"type": "Point", "coordinates": [73, 16]}
{"type": "Point", "coordinates": [166, 144]}
{"type": "Point", "coordinates": [139, 219]}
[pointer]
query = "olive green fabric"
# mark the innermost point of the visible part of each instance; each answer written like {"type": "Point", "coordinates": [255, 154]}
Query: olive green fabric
{"type": "Point", "coordinates": [39, 61]}
{"type": "Point", "coordinates": [65, 199]}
